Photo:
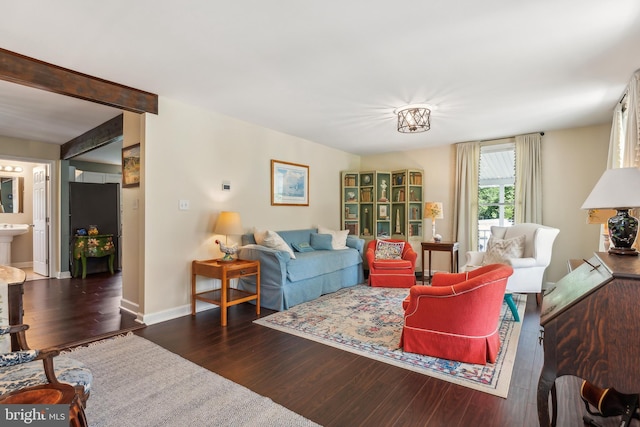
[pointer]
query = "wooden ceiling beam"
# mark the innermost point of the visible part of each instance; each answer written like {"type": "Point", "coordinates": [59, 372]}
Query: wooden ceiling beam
{"type": "Point", "coordinates": [31, 72]}
{"type": "Point", "coordinates": [108, 132]}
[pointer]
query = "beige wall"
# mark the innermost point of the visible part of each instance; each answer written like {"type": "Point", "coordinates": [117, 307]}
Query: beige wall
{"type": "Point", "coordinates": [132, 213]}
{"type": "Point", "coordinates": [188, 153]}
{"type": "Point", "coordinates": [572, 162]}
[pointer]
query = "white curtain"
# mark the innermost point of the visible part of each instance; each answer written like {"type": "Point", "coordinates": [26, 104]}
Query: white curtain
{"type": "Point", "coordinates": [528, 193]}
{"type": "Point", "coordinates": [465, 225]}
{"type": "Point", "coordinates": [624, 143]}
{"type": "Point", "coordinates": [616, 138]}
{"type": "Point", "coordinates": [631, 153]}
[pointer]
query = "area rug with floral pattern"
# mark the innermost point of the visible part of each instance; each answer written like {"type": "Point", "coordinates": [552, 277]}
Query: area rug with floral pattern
{"type": "Point", "coordinates": [368, 321]}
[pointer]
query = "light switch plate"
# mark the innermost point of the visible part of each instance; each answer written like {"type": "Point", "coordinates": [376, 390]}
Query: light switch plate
{"type": "Point", "coordinates": [183, 205]}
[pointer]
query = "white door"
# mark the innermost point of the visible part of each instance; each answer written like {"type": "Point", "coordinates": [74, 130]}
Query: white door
{"type": "Point", "coordinates": [40, 222]}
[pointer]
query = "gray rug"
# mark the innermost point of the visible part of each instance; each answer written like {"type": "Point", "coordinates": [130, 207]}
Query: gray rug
{"type": "Point", "coordinates": [138, 383]}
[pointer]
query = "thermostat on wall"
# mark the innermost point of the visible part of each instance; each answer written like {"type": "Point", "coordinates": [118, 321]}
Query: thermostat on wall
{"type": "Point", "coordinates": [226, 185]}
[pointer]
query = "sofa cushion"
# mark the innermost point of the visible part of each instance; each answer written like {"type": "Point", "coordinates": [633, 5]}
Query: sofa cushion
{"type": "Point", "coordinates": [500, 250]}
{"type": "Point", "coordinates": [321, 242]}
{"type": "Point", "coordinates": [319, 262]}
{"type": "Point", "coordinates": [392, 264]}
{"type": "Point", "coordinates": [272, 240]}
{"type": "Point", "coordinates": [338, 237]}
{"type": "Point", "coordinates": [389, 250]}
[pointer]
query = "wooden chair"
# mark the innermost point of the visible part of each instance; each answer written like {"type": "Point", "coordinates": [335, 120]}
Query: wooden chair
{"type": "Point", "coordinates": [25, 367]}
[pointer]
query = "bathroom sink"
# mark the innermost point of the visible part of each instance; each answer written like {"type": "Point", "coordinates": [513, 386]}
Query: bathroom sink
{"type": "Point", "coordinates": [7, 231]}
{"type": "Point", "coordinates": [13, 229]}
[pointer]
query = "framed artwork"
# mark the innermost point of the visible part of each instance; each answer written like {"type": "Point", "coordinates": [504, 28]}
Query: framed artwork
{"type": "Point", "coordinates": [289, 184]}
{"type": "Point", "coordinates": [131, 166]}
{"type": "Point", "coordinates": [383, 212]}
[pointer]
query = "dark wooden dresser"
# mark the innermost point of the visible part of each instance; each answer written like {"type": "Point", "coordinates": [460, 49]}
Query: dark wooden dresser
{"type": "Point", "coordinates": [15, 278]}
{"type": "Point", "coordinates": [591, 321]}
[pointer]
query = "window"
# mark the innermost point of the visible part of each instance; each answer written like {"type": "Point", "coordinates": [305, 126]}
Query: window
{"type": "Point", "coordinates": [496, 189]}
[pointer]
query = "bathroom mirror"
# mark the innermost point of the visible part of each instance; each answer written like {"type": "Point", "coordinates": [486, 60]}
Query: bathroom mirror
{"type": "Point", "coordinates": [11, 194]}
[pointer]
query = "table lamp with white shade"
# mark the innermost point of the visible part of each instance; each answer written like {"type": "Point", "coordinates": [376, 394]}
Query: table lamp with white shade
{"type": "Point", "coordinates": [228, 223]}
{"type": "Point", "coordinates": [433, 210]}
{"type": "Point", "coordinates": [618, 189]}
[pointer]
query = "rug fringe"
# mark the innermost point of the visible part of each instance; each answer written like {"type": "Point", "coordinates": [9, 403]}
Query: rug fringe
{"type": "Point", "coordinates": [98, 341]}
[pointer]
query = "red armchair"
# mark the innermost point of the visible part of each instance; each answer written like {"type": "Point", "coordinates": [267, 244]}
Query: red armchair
{"type": "Point", "coordinates": [457, 317]}
{"type": "Point", "coordinates": [391, 273]}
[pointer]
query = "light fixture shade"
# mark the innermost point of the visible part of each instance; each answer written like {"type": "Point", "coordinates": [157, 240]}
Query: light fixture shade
{"type": "Point", "coordinates": [433, 210]}
{"type": "Point", "coordinates": [228, 223]}
{"type": "Point", "coordinates": [616, 189]}
{"type": "Point", "coordinates": [413, 118]}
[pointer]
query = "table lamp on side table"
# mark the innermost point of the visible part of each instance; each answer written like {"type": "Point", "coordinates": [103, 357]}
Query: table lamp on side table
{"type": "Point", "coordinates": [433, 210]}
{"type": "Point", "coordinates": [618, 189]}
{"type": "Point", "coordinates": [228, 223]}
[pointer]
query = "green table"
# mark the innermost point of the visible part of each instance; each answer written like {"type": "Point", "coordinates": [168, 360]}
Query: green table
{"type": "Point", "coordinates": [97, 246]}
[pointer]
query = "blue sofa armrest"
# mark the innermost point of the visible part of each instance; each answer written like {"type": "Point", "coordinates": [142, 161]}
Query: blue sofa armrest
{"type": "Point", "coordinates": [356, 243]}
{"type": "Point", "coordinates": [273, 263]}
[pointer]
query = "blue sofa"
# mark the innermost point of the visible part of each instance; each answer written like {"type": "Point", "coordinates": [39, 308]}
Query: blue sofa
{"type": "Point", "coordinates": [285, 282]}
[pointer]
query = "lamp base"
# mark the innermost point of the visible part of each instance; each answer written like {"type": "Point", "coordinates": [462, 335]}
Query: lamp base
{"type": "Point", "coordinates": [623, 251]}
{"type": "Point", "coordinates": [623, 229]}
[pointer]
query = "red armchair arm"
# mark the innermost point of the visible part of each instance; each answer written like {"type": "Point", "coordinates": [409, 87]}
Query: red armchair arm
{"type": "Point", "coordinates": [409, 254]}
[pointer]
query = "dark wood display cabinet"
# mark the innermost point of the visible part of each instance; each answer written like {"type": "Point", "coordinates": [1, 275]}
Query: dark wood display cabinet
{"type": "Point", "coordinates": [591, 329]}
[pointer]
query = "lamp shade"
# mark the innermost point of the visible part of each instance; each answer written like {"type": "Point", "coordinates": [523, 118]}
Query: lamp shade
{"type": "Point", "coordinates": [616, 189]}
{"type": "Point", "coordinates": [433, 210]}
{"type": "Point", "coordinates": [228, 223]}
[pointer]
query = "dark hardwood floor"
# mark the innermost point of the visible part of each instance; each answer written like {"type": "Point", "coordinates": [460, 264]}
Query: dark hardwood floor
{"type": "Point", "coordinates": [324, 384]}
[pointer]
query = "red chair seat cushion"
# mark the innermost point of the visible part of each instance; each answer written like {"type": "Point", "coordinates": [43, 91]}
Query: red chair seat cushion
{"type": "Point", "coordinates": [392, 264]}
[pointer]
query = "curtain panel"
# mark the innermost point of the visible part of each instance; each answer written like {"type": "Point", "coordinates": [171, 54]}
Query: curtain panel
{"type": "Point", "coordinates": [528, 192]}
{"type": "Point", "coordinates": [465, 225]}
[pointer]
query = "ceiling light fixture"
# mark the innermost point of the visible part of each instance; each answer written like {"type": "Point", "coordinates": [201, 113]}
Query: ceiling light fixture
{"type": "Point", "coordinates": [10, 168]}
{"type": "Point", "coordinates": [413, 118]}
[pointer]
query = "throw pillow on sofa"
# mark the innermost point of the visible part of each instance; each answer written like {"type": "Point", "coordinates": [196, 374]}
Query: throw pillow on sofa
{"type": "Point", "coordinates": [338, 237]}
{"type": "Point", "coordinates": [321, 242]}
{"type": "Point", "coordinates": [272, 240]}
{"type": "Point", "coordinates": [389, 250]}
{"type": "Point", "coordinates": [500, 250]}
{"type": "Point", "coordinates": [302, 247]}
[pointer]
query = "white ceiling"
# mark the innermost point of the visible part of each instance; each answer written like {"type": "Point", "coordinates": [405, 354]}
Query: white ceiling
{"type": "Point", "coordinates": [333, 71]}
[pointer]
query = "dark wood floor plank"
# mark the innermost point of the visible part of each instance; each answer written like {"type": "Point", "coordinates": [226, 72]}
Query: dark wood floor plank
{"type": "Point", "coordinates": [327, 385]}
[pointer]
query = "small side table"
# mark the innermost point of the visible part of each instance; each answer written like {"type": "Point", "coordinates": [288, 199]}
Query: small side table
{"type": "Point", "coordinates": [50, 394]}
{"type": "Point", "coordinates": [225, 296]}
{"type": "Point", "coordinates": [93, 247]}
{"type": "Point", "coordinates": [451, 247]}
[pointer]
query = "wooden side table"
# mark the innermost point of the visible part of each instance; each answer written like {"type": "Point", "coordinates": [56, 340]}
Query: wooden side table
{"type": "Point", "coordinates": [225, 296]}
{"type": "Point", "coordinates": [451, 247]}
{"type": "Point", "coordinates": [50, 394]}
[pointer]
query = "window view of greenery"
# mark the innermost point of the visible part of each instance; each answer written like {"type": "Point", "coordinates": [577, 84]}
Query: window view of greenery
{"type": "Point", "coordinates": [496, 189]}
{"type": "Point", "coordinates": [489, 203]}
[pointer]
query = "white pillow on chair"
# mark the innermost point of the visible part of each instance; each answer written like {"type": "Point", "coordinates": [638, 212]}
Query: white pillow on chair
{"type": "Point", "coordinates": [500, 250]}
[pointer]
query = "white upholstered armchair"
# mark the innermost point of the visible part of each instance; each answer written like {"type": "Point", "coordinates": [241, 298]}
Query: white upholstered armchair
{"type": "Point", "coordinates": [528, 269]}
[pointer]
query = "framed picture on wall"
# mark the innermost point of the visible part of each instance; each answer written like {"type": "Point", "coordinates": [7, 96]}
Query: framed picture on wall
{"type": "Point", "coordinates": [131, 166]}
{"type": "Point", "coordinates": [289, 184]}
